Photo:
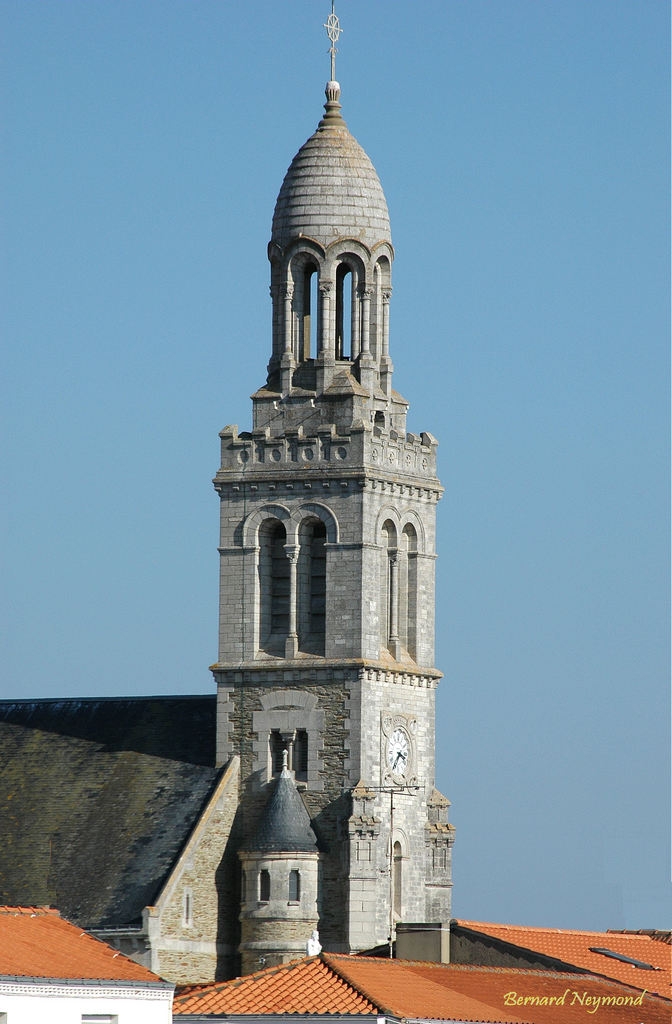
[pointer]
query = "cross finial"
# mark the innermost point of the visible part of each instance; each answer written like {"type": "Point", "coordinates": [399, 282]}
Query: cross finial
{"type": "Point", "coordinates": [333, 27]}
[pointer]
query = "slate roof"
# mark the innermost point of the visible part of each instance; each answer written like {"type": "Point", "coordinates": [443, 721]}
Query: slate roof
{"type": "Point", "coordinates": [285, 824]}
{"type": "Point", "coordinates": [97, 798]}
{"type": "Point", "coordinates": [35, 942]}
{"type": "Point", "coordinates": [577, 948]}
{"type": "Point", "coordinates": [335, 983]}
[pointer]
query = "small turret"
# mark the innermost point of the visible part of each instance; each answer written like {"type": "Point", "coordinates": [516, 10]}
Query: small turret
{"type": "Point", "coordinates": [279, 870]}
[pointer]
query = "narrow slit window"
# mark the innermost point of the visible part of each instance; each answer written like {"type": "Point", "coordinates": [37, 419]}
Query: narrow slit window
{"type": "Point", "coordinates": [396, 879]}
{"type": "Point", "coordinates": [300, 755]}
{"type": "Point", "coordinates": [276, 751]}
{"type": "Point", "coordinates": [294, 886]}
{"type": "Point", "coordinates": [188, 909]}
{"type": "Point", "coordinates": [264, 886]}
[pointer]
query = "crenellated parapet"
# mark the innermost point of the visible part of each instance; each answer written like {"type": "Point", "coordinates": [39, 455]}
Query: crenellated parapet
{"type": "Point", "coordinates": [407, 460]}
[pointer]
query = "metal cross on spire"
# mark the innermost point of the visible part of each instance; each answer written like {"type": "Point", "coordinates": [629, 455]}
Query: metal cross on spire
{"type": "Point", "coordinates": [333, 27]}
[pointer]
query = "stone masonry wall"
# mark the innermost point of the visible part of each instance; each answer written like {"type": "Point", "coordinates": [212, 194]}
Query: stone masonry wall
{"type": "Point", "coordinates": [189, 926]}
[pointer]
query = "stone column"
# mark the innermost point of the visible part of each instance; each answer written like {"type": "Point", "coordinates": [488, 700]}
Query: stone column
{"type": "Point", "coordinates": [288, 361]}
{"type": "Point", "coordinates": [386, 366]}
{"type": "Point", "coordinates": [326, 332]}
{"type": "Point", "coordinates": [288, 296]}
{"type": "Point", "coordinates": [366, 319]}
{"type": "Point", "coordinates": [292, 641]}
{"type": "Point", "coordinates": [326, 358]}
{"type": "Point", "coordinates": [394, 642]}
{"type": "Point", "coordinates": [367, 370]}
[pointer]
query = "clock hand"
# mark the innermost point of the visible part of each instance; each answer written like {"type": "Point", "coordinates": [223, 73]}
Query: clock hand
{"type": "Point", "coordinates": [400, 755]}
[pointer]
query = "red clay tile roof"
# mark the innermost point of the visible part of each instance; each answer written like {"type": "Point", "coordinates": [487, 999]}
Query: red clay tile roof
{"type": "Point", "coordinates": [409, 988]}
{"type": "Point", "coordinates": [334, 983]}
{"type": "Point", "coordinates": [574, 948]}
{"type": "Point", "coordinates": [302, 986]}
{"type": "Point", "coordinates": [35, 942]}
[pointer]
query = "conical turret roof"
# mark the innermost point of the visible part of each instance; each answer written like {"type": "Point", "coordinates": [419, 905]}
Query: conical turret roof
{"type": "Point", "coordinates": [285, 824]}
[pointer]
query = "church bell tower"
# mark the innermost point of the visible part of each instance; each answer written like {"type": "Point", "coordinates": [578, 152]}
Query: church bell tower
{"type": "Point", "coordinates": [325, 671]}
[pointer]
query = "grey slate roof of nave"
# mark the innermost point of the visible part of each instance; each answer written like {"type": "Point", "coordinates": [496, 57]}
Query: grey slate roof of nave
{"type": "Point", "coordinates": [97, 798]}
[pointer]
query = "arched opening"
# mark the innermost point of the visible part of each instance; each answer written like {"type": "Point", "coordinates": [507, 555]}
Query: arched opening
{"type": "Point", "coordinates": [312, 586]}
{"type": "Point", "coordinates": [276, 751]}
{"type": "Point", "coordinates": [408, 590]}
{"type": "Point", "coordinates": [389, 589]}
{"type": "Point", "coordinates": [294, 893]}
{"type": "Point", "coordinates": [344, 311]}
{"type": "Point", "coordinates": [300, 755]}
{"type": "Point", "coordinates": [378, 328]}
{"type": "Point", "coordinates": [274, 587]}
{"type": "Point", "coordinates": [375, 315]}
{"type": "Point", "coordinates": [396, 880]}
{"type": "Point", "coordinates": [308, 314]}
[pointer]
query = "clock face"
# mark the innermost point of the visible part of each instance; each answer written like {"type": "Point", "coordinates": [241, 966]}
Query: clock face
{"type": "Point", "coordinates": [398, 752]}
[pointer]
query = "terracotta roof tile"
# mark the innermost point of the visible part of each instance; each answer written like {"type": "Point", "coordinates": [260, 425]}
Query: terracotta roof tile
{"type": "Point", "coordinates": [35, 942]}
{"type": "Point", "coordinates": [439, 991]}
{"type": "Point", "coordinates": [335, 983]}
{"type": "Point", "coordinates": [302, 986]}
{"type": "Point", "coordinates": [577, 948]}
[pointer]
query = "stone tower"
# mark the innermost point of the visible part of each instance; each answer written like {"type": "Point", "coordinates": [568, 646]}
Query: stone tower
{"type": "Point", "coordinates": [327, 546]}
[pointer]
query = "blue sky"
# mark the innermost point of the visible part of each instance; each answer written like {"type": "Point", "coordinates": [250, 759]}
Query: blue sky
{"type": "Point", "coordinates": [523, 148]}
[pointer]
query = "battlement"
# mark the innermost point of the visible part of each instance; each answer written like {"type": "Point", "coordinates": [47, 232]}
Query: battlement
{"type": "Point", "coordinates": [386, 451]}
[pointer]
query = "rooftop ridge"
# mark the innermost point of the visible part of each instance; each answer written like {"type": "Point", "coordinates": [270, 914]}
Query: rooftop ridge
{"type": "Point", "coordinates": [552, 929]}
{"type": "Point", "coordinates": [30, 911]}
{"type": "Point", "coordinates": [312, 968]}
{"type": "Point", "coordinates": [100, 700]}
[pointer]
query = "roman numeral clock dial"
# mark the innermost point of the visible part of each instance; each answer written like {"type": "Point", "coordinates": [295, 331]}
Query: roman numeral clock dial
{"type": "Point", "coordinates": [398, 754]}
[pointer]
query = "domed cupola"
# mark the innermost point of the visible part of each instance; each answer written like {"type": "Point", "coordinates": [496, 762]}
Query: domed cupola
{"type": "Point", "coordinates": [331, 263]}
{"type": "Point", "coordinates": [331, 190]}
